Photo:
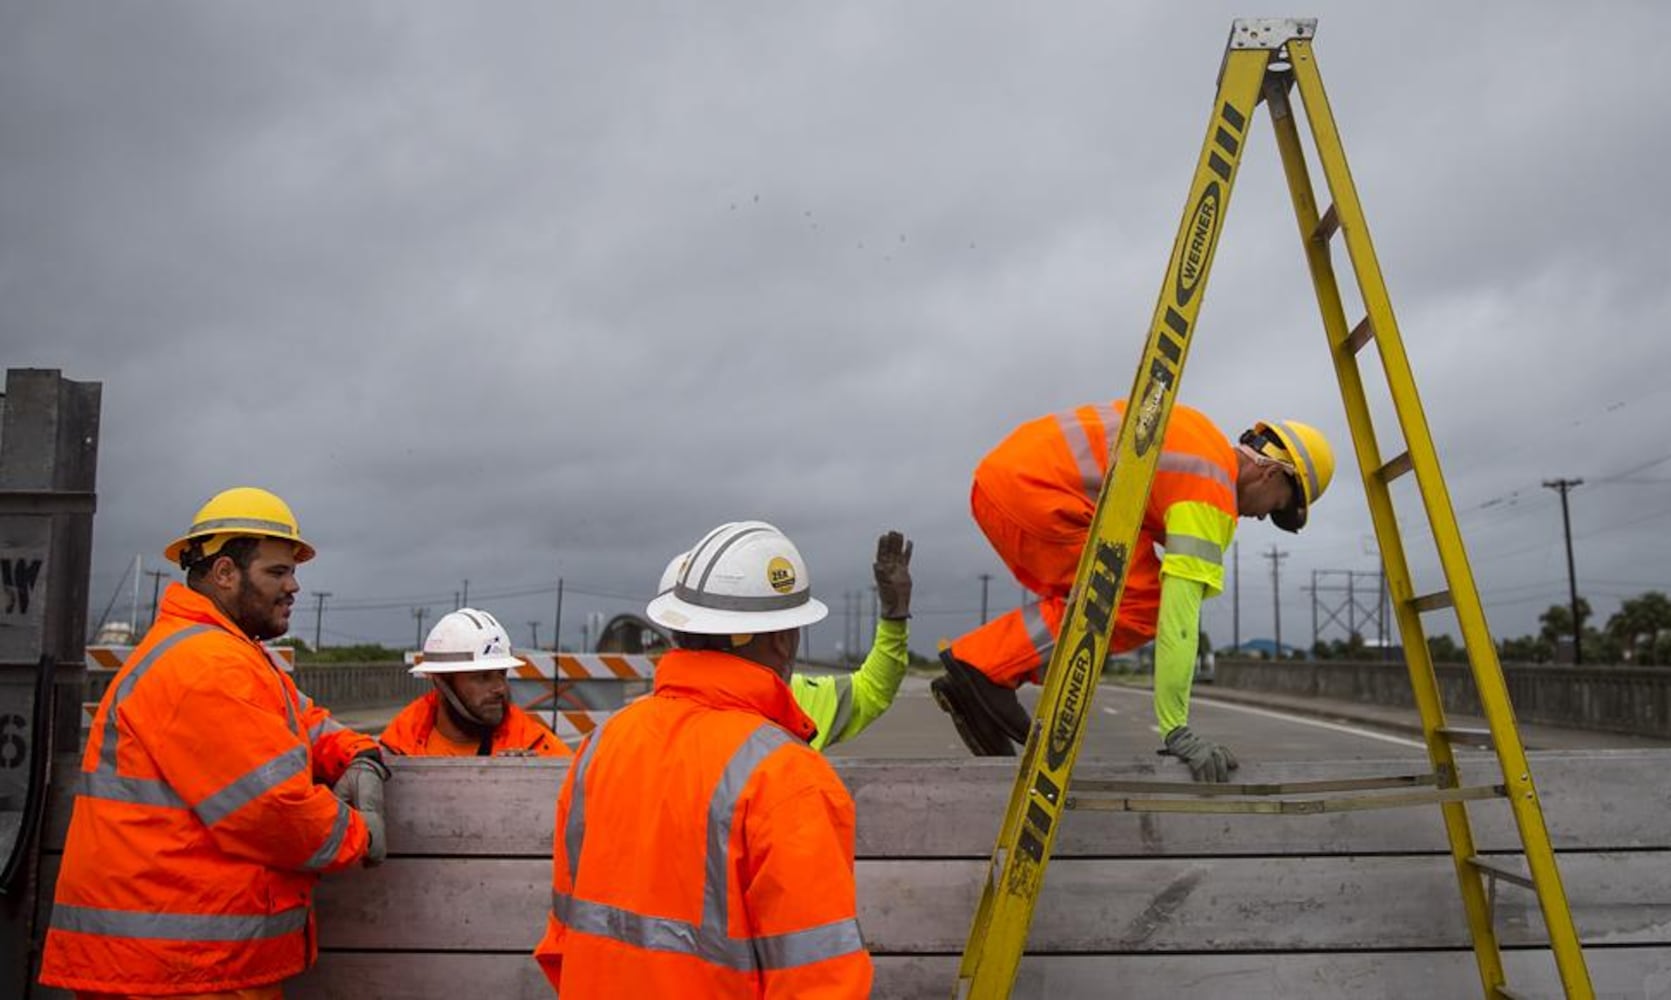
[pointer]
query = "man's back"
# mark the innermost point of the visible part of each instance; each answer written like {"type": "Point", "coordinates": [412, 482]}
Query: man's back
{"type": "Point", "coordinates": [704, 850]}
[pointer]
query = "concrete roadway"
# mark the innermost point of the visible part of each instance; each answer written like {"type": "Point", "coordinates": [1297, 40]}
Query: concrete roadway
{"type": "Point", "coordinates": [1254, 727]}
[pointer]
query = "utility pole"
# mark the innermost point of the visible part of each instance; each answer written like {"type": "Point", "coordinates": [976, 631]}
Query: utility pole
{"type": "Point", "coordinates": [557, 623]}
{"type": "Point", "coordinates": [1562, 486]}
{"type": "Point", "coordinates": [319, 617]}
{"type": "Point", "coordinates": [1236, 596]}
{"type": "Point", "coordinates": [985, 579]}
{"type": "Point", "coordinates": [466, 593]}
{"type": "Point", "coordinates": [156, 576]}
{"type": "Point", "coordinates": [420, 614]}
{"type": "Point", "coordinates": [534, 627]}
{"type": "Point", "coordinates": [1276, 593]}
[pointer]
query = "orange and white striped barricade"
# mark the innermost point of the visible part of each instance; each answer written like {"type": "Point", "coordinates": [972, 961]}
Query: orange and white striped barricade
{"type": "Point", "coordinates": [574, 692]}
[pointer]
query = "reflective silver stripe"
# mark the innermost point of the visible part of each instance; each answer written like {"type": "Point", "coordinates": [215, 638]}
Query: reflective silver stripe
{"type": "Point", "coordinates": [1303, 459]}
{"type": "Point", "coordinates": [262, 779]}
{"type": "Point", "coordinates": [843, 709]}
{"type": "Point", "coordinates": [574, 832]}
{"type": "Point", "coordinates": [1199, 548]}
{"type": "Point", "coordinates": [653, 933]}
{"type": "Point", "coordinates": [1044, 641]}
{"type": "Point", "coordinates": [1079, 446]}
{"type": "Point", "coordinates": [1110, 418]}
{"type": "Point", "coordinates": [716, 941]}
{"type": "Point", "coordinates": [709, 570]}
{"type": "Point", "coordinates": [322, 727]}
{"type": "Point", "coordinates": [134, 791]}
{"type": "Point", "coordinates": [333, 843]}
{"type": "Point", "coordinates": [177, 926]}
{"type": "Point", "coordinates": [712, 941]}
{"type": "Point", "coordinates": [787, 951]}
{"type": "Point", "coordinates": [1194, 465]}
{"type": "Point", "coordinates": [107, 748]}
{"type": "Point", "coordinates": [727, 602]}
{"type": "Point", "coordinates": [222, 524]}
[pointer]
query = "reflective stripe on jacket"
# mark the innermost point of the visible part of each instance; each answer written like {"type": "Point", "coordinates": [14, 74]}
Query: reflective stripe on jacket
{"type": "Point", "coordinates": [410, 732]}
{"type": "Point", "coordinates": [843, 706]}
{"type": "Point", "coordinates": [1047, 474]}
{"type": "Point", "coordinates": [203, 818]}
{"type": "Point", "coordinates": [703, 849]}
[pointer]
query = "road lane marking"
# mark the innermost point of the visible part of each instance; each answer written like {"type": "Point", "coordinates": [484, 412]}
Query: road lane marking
{"type": "Point", "coordinates": [1302, 720]}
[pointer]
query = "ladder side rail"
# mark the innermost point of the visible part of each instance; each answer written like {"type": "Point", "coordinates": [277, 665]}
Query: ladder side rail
{"type": "Point", "coordinates": [1039, 797]}
{"type": "Point", "coordinates": [1423, 682]}
{"type": "Point", "coordinates": [1488, 676]}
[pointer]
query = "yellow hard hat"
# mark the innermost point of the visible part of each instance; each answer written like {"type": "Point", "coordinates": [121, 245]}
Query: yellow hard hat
{"type": "Point", "coordinates": [240, 511]}
{"type": "Point", "coordinates": [1305, 450]}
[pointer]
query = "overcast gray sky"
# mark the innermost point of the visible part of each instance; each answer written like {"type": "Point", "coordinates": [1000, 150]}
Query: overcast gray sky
{"type": "Point", "coordinates": [509, 292]}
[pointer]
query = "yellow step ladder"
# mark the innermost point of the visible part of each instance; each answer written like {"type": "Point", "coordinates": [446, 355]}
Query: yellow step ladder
{"type": "Point", "coordinates": [1266, 59]}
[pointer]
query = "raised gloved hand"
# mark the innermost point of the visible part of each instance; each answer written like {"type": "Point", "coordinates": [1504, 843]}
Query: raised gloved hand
{"type": "Point", "coordinates": [361, 786]}
{"type": "Point", "coordinates": [1208, 761]}
{"type": "Point", "coordinates": [893, 575]}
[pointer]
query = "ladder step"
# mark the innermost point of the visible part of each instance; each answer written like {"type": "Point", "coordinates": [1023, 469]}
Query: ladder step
{"type": "Point", "coordinates": [1361, 334]}
{"type": "Point", "coordinates": [1327, 226]}
{"type": "Point", "coordinates": [1395, 468]}
{"type": "Point", "coordinates": [1432, 602]}
{"type": "Point", "coordinates": [1465, 734]}
{"type": "Point", "coordinates": [1504, 993]}
{"type": "Point", "coordinates": [1497, 869]}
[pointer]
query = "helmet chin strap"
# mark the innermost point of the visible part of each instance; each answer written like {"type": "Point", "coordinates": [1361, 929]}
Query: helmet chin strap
{"type": "Point", "coordinates": [461, 716]}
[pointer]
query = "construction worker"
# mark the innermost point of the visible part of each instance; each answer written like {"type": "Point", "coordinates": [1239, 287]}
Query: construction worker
{"type": "Point", "coordinates": [1034, 496]}
{"type": "Point", "coordinates": [205, 813]}
{"type": "Point", "coordinates": [842, 707]}
{"type": "Point", "coordinates": [469, 711]}
{"type": "Point", "coordinates": [702, 848]}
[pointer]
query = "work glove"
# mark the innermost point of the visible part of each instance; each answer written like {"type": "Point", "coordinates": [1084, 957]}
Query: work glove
{"type": "Point", "coordinates": [361, 786]}
{"type": "Point", "coordinates": [893, 575]}
{"type": "Point", "coordinates": [1208, 761]}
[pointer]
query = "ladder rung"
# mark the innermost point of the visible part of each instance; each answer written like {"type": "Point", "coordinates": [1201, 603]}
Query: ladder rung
{"type": "Point", "coordinates": [1504, 993]}
{"type": "Point", "coordinates": [1327, 226]}
{"type": "Point", "coordinates": [1497, 870]}
{"type": "Point", "coordinates": [1432, 602]}
{"type": "Point", "coordinates": [1395, 468]}
{"type": "Point", "coordinates": [1465, 734]}
{"type": "Point", "coordinates": [1361, 334]}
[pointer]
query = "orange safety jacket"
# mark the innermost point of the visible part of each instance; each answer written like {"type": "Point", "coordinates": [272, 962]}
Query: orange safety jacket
{"type": "Point", "coordinates": [1034, 496]}
{"type": "Point", "coordinates": [703, 849]}
{"type": "Point", "coordinates": [518, 733]}
{"type": "Point", "coordinates": [203, 818]}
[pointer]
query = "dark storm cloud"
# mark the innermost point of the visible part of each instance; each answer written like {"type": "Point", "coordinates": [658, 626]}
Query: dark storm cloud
{"type": "Point", "coordinates": [506, 292]}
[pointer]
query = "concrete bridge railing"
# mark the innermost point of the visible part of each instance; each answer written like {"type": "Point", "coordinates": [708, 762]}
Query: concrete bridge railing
{"type": "Point", "coordinates": [1608, 698]}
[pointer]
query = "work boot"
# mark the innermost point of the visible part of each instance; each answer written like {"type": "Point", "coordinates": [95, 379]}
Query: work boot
{"type": "Point", "coordinates": [997, 703]}
{"type": "Point", "coordinates": [979, 732]}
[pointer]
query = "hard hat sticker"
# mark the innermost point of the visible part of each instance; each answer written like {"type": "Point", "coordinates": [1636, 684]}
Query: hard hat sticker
{"type": "Point", "coordinates": [780, 573]}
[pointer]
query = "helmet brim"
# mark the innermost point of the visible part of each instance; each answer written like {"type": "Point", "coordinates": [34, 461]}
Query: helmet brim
{"type": "Point", "coordinates": [671, 612]}
{"type": "Point", "coordinates": [426, 668]}
{"type": "Point", "coordinates": [177, 548]}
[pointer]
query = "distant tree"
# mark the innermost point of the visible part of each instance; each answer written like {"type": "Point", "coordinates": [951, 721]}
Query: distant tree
{"type": "Point", "coordinates": [1637, 625]}
{"type": "Point", "coordinates": [1557, 622]}
{"type": "Point", "coordinates": [1445, 650]}
{"type": "Point", "coordinates": [1526, 649]}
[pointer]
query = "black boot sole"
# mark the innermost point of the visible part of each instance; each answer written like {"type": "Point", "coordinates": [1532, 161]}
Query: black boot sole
{"type": "Point", "coordinates": [993, 744]}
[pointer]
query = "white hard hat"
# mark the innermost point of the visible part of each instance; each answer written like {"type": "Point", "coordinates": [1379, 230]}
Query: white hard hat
{"type": "Point", "coordinates": [742, 578]}
{"type": "Point", "coordinates": [670, 575]}
{"type": "Point", "coordinates": [465, 640]}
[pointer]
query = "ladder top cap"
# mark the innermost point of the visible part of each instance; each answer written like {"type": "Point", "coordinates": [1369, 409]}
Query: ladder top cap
{"type": "Point", "coordinates": [1269, 32]}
